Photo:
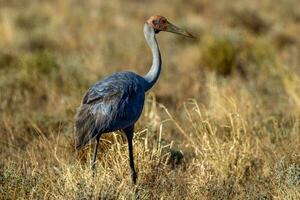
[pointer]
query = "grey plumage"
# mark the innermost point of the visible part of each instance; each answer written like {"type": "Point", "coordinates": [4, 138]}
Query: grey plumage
{"type": "Point", "coordinates": [112, 104]}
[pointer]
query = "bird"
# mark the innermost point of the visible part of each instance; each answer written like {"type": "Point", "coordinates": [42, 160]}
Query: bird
{"type": "Point", "coordinates": [116, 102]}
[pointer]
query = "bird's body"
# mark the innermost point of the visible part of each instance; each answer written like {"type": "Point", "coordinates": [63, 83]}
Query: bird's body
{"type": "Point", "coordinates": [116, 102]}
{"type": "Point", "coordinates": [112, 104]}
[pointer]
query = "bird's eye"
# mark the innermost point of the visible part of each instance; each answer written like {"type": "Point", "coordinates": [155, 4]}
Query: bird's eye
{"type": "Point", "coordinates": [154, 21]}
{"type": "Point", "coordinates": [163, 21]}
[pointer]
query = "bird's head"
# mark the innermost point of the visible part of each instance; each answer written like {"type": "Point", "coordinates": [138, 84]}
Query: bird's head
{"type": "Point", "coordinates": [160, 23]}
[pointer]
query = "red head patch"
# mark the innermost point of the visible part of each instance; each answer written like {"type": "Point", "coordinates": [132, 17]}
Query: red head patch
{"type": "Point", "coordinates": [159, 23]}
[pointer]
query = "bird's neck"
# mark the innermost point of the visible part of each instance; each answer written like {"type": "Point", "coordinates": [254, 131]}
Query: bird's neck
{"type": "Point", "coordinates": [153, 74]}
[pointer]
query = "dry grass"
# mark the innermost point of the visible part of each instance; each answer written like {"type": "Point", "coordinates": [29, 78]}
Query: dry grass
{"type": "Point", "coordinates": [223, 122]}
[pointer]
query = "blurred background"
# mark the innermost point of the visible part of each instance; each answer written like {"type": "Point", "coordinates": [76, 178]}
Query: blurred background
{"type": "Point", "coordinates": [227, 104]}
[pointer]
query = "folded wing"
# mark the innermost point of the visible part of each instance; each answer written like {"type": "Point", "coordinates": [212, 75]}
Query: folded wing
{"type": "Point", "coordinates": [109, 105]}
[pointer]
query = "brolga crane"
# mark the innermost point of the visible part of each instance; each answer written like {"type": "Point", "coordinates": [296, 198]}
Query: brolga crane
{"type": "Point", "coordinates": [116, 102]}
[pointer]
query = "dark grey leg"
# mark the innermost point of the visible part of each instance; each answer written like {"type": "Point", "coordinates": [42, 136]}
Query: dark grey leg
{"type": "Point", "coordinates": [129, 133]}
{"type": "Point", "coordinates": [95, 154]}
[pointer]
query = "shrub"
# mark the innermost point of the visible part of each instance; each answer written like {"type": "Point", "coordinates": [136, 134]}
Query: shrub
{"type": "Point", "coordinates": [227, 53]}
{"type": "Point", "coordinates": [7, 60]}
{"type": "Point", "coordinates": [218, 53]}
{"type": "Point", "coordinates": [40, 63]}
{"type": "Point", "coordinates": [251, 20]}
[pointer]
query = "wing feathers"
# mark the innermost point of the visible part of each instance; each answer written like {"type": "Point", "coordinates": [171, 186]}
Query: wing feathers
{"type": "Point", "coordinates": [109, 105]}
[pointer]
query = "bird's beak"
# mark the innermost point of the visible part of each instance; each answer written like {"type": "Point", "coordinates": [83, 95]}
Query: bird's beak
{"type": "Point", "coordinates": [174, 29]}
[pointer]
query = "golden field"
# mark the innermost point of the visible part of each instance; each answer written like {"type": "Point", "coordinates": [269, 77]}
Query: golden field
{"type": "Point", "coordinates": [223, 121]}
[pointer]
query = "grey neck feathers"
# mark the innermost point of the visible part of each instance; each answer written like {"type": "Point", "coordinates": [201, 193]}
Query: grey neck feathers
{"type": "Point", "coordinates": [153, 74]}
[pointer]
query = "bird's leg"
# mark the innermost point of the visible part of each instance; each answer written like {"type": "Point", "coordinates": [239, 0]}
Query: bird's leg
{"type": "Point", "coordinates": [129, 134]}
{"type": "Point", "coordinates": [95, 154]}
{"type": "Point", "coordinates": [131, 162]}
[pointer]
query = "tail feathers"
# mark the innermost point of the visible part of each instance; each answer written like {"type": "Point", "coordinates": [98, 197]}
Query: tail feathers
{"type": "Point", "coordinates": [82, 142]}
{"type": "Point", "coordinates": [85, 129]}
